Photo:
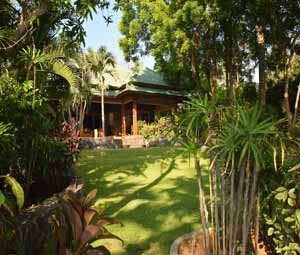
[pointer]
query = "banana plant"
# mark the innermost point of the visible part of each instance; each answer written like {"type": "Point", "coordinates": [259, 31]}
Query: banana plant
{"type": "Point", "coordinates": [83, 233]}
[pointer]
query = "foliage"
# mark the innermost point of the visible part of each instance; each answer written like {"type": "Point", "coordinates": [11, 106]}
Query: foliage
{"type": "Point", "coordinates": [79, 217]}
{"type": "Point", "coordinates": [195, 118]}
{"type": "Point", "coordinates": [9, 208]}
{"type": "Point", "coordinates": [163, 128]}
{"type": "Point", "coordinates": [69, 132]}
{"type": "Point", "coordinates": [17, 191]}
{"type": "Point", "coordinates": [284, 222]}
{"type": "Point", "coordinates": [31, 140]}
{"type": "Point", "coordinates": [244, 134]}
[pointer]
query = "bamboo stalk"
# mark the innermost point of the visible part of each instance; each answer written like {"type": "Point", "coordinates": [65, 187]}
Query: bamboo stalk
{"type": "Point", "coordinates": [216, 181]}
{"type": "Point", "coordinates": [211, 197]}
{"type": "Point", "coordinates": [203, 208]}
{"type": "Point", "coordinates": [223, 205]}
{"type": "Point", "coordinates": [257, 225]}
{"type": "Point", "coordinates": [246, 209]}
{"type": "Point", "coordinates": [252, 196]}
{"type": "Point", "coordinates": [231, 217]}
{"type": "Point", "coordinates": [238, 206]}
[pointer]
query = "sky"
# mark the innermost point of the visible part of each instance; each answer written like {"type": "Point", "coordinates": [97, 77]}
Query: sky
{"type": "Point", "coordinates": [99, 34]}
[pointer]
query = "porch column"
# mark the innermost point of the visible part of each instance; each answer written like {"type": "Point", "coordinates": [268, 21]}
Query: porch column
{"type": "Point", "coordinates": [123, 120]}
{"type": "Point", "coordinates": [134, 118]}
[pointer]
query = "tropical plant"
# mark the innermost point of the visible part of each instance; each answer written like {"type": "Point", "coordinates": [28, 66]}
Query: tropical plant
{"type": "Point", "coordinates": [102, 64]}
{"type": "Point", "coordinates": [49, 60]}
{"type": "Point", "coordinates": [81, 95]}
{"type": "Point", "coordinates": [244, 144]}
{"type": "Point", "coordinates": [9, 207]}
{"type": "Point", "coordinates": [193, 129]}
{"type": "Point", "coordinates": [83, 233]}
{"type": "Point", "coordinates": [17, 191]}
{"type": "Point", "coordinates": [284, 223]}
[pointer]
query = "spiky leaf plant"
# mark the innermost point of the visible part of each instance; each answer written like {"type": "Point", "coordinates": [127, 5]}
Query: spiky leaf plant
{"type": "Point", "coordinates": [244, 144]}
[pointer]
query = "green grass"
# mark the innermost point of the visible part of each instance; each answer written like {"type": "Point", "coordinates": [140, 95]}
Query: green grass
{"type": "Point", "coordinates": [152, 191]}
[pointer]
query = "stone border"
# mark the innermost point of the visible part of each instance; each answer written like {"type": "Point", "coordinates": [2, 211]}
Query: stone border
{"type": "Point", "coordinates": [179, 240]}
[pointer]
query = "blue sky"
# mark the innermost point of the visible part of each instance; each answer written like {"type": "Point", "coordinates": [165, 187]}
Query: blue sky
{"type": "Point", "coordinates": [98, 34]}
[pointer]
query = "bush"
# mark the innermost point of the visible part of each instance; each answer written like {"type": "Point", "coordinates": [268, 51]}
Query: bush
{"type": "Point", "coordinates": [163, 128]}
{"type": "Point", "coordinates": [283, 217]}
{"type": "Point", "coordinates": [30, 151]}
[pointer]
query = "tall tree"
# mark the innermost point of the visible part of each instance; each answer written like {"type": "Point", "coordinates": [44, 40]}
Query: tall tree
{"type": "Point", "coordinates": [102, 64]}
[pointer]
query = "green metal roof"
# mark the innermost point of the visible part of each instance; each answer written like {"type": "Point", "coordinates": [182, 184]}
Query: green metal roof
{"type": "Point", "coordinates": [134, 88]}
{"type": "Point", "coordinates": [148, 76]}
{"type": "Point", "coordinates": [126, 80]}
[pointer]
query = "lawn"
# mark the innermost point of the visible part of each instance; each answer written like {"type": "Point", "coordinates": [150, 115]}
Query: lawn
{"type": "Point", "coordinates": [152, 191]}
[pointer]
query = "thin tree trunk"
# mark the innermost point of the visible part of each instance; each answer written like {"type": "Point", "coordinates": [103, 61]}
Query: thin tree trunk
{"type": "Point", "coordinates": [102, 110]}
{"type": "Point", "coordinates": [287, 79]}
{"type": "Point", "coordinates": [286, 92]}
{"type": "Point", "coordinates": [195, 58]}
{"type": "Point", "coordinates": [34, 85]}
{"type": "Point", "coordinates": [229, 65]}
{"type": "Point", "coordinates": [203, 208]}
{"type": "Point", "coordinates": [296, 105]}
{"type": "Point", "coordinates": [82, 114]}
{"type": "Point", "coordinates": [262, 64]}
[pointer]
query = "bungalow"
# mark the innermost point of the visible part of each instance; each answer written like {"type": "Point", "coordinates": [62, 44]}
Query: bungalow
{"type": "Point", "coordinates": [130, 98]}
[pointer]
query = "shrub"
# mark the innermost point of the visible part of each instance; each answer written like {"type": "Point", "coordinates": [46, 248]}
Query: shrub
{"type": "Point", "coordinates": [163, 128]}
{"type": "Point", "coordinates": [30, 151]}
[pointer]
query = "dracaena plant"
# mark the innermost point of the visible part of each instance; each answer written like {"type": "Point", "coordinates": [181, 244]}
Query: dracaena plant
{"type": "Point", "coordinates": [86, 225]}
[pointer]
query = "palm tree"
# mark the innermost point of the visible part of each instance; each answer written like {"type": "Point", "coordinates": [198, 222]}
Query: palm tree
{"type": "Point", "coordinates": [102, 64]}
{"type": "Point", "coordinates": [49, 60]}
{"type": "Point", "coordinates": [82, 92]}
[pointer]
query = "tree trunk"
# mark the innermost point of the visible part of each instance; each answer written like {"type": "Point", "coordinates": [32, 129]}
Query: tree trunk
{"type": "Point", "coordinates": [260, 37]}
{"type": "Point", "coordinates": [34, 85]}
{"type": "Point", "coordinates": [296, 105]}
{"type": "Point", "coordinates": [229, 64]}
{"type": "Point", "coordinates": [82, 114]}
{"type": "Point", "coordinates": [102, 110]}
{"type": "Point", "coordinates": [195, 59]}
{"type": "Point", "coordinates": [286, 93]}
{"type": "Point", "coordinates": [287, 79]}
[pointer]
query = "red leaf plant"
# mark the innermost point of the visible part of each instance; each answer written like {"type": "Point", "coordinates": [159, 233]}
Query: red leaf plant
{"type": "Point", "coordinates": [79, 217]}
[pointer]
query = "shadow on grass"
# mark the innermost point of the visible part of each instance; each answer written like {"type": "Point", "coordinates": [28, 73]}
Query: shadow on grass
{"type": "Point", "coordinates": [164, 207]}
{"type": "Point", "coordinates": [167, 221]}
{"type": "Point", "coordinates": [142, 192]}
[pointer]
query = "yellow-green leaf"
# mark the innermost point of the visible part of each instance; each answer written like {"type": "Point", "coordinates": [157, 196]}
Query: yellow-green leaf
{"type": "Point", "coordinates": [270, 231]}
{"type": "Point", "coordinates": [16, 189]}
{"type": "Point", "coordinates": [2, 198]}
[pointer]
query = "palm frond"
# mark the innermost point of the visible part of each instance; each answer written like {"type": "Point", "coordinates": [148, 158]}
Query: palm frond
{"type": "Point", "coordinates": [64, 71]}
